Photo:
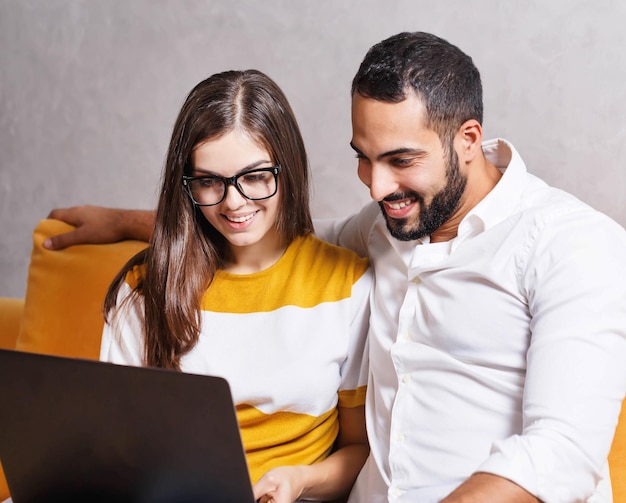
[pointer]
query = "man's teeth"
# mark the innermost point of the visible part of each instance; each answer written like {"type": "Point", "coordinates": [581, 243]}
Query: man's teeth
{"type": "Point", "coordinates": [241, 219]}
{"type": "Point", "coordinates": [399, 206]}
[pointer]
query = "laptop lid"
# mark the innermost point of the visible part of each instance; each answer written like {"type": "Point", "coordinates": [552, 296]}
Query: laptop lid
{"type": "Point", "coordinates": [84, 430]}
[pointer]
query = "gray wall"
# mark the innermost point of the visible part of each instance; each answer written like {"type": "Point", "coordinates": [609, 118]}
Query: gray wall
{"type": "Point", "coordinates": [89, 91]}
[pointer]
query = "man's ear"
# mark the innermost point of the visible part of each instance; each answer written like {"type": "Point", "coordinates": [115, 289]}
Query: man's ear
{"type": "Point", "coordinates": [469, 140]}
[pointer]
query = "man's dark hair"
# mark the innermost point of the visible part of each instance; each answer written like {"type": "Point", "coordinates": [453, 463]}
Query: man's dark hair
{"type": "Point", "coordinates": [442, 76]}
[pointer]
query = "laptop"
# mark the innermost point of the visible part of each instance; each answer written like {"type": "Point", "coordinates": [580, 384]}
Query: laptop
{"type": "Point", "coordinates": [83, 430]}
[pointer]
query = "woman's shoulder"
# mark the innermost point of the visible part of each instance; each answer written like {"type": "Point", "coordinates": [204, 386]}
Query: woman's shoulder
{"type": "Point", "coordinates": [321, 254]}
{"type": "Point", "coordinates": [135, 276]}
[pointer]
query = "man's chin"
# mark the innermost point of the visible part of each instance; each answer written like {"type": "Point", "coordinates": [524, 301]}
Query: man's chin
{"type": "Point", "coordinates": [400, 230]}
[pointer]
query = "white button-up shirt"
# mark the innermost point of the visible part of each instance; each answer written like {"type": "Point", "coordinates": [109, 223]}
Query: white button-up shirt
{"type": "Point", "coordinates": [502, 350]}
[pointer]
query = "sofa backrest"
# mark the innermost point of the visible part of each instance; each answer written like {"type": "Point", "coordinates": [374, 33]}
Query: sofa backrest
{"type": "Point", "coordinates": [65, 293]}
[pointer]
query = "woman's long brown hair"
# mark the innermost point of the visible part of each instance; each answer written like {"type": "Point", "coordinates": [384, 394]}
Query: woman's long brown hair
{"type": "Point", "coordinates": [185, 250]}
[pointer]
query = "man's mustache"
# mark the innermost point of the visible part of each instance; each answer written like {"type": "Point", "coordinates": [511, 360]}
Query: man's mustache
{"type": "Point", "coordinates": [398, 196]}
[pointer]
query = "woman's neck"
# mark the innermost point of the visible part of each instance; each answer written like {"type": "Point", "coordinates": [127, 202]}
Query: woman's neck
{"type": "Point", "coordinates": [254, 258]}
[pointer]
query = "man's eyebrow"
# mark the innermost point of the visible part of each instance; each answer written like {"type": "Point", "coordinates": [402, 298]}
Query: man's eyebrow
{"type": "Point", "coordinates": [356, 150]}
{"type": "Point", "coordinates": [398, 151]}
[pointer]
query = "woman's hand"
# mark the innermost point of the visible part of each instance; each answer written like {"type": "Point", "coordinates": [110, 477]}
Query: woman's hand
{"type": "Point", "coordinates": [280, 485]}
{"type": "Point", "coordinates": [327, 480]}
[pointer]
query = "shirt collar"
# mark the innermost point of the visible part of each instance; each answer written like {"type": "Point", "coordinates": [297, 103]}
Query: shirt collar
{"type": "Point", "coordinates": [505, 196]}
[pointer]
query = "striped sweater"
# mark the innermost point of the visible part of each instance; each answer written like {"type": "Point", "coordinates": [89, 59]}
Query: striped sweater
{"type": "Point", "coordinates": [290, 340]}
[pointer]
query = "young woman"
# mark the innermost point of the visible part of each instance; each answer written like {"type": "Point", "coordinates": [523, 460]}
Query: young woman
{"type": "Point", "coordinates": [234, 284]}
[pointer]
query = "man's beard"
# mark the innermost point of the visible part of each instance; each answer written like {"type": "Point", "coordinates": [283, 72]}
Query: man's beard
{"type": "Point", "coordinates": [437, 213]}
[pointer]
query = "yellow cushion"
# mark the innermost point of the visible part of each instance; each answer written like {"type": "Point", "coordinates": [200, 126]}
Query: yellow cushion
{"type": "Point", "coordinates": [617, 459]}
{"type": "Point", "coordinates": [65, 293]}
{"type": "Point", "coordinates": [10, 317]}
{"type": "Point", "coordinates": [4, 489]}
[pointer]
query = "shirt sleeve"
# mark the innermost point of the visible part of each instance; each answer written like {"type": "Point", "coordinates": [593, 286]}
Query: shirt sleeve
{"type": "Point", "coordinates": [575, 283]}
{"type": "Point", "coordinates": [122, 336]}
{"type": "Point", "coordinates": [355, 370]}
{"type": "Point", "coordinates": [351, 232]}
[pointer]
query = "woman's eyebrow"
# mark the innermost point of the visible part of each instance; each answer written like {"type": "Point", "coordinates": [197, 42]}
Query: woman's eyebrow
{"type": "Point", "coordinates": [249, 167]}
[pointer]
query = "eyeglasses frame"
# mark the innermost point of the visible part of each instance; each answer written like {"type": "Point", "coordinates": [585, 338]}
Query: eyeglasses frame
{"type": "Point", "coordinates": [232, 180]}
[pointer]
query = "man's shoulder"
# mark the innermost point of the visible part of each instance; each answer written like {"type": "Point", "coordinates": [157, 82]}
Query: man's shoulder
{"type": "Point", "coordinates": [549, 203]}
{"type": "Point", "coordinates": [352, 232]}
{"type": "Point", "coordinates": [553, 213]}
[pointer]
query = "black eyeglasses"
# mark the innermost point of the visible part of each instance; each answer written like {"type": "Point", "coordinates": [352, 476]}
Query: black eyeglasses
{"type": "Point", "coordinates": [255, 185]}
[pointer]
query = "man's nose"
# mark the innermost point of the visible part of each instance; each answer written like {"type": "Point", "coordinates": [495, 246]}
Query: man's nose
{"type": "Point", "coordinates": [381, 182]}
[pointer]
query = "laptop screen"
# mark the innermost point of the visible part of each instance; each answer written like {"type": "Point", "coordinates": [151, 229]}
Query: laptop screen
{"type": "Point", "coordinates": [83, 430]}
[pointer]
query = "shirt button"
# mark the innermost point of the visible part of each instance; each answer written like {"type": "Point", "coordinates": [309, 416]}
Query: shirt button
{"type": "Point", "coordinates": [406, 378]}
{"type": "Point", "coordinates": [399, 437]}
{"type": "Point", "coordinates": [416, 280]}
{"type": "Point", "coordinates": [395, 491]}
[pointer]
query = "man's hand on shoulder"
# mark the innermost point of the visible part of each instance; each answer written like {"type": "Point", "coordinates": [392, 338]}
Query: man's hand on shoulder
{"type": "Point", "coordinates": [488, 488]}
{"type": "Point", "coordinates": [98, 225]}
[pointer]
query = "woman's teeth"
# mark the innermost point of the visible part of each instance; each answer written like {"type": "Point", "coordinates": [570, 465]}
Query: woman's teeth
{"type": "Point", "coordinates": [241, 219]}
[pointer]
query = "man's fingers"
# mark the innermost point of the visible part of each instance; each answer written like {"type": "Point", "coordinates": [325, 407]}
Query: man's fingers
{"type": "Point", "coordinates": [61, 241]}
{"type": "Point", "coordinates": [68, 215]}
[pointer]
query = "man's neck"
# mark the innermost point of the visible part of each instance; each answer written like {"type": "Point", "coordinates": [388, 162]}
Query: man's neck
{"type": "Point", "coordinates": [481, 179]}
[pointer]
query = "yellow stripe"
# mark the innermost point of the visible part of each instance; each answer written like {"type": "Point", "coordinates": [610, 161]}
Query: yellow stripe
{"type": "Point", "coordinates": [310, 273]}
{"type": "Point", "coordinates": [135, 275]}
{"type": "Point", "coordinates": [284, 438]}
{"type": "Point", "coordinates": [352, 398]}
